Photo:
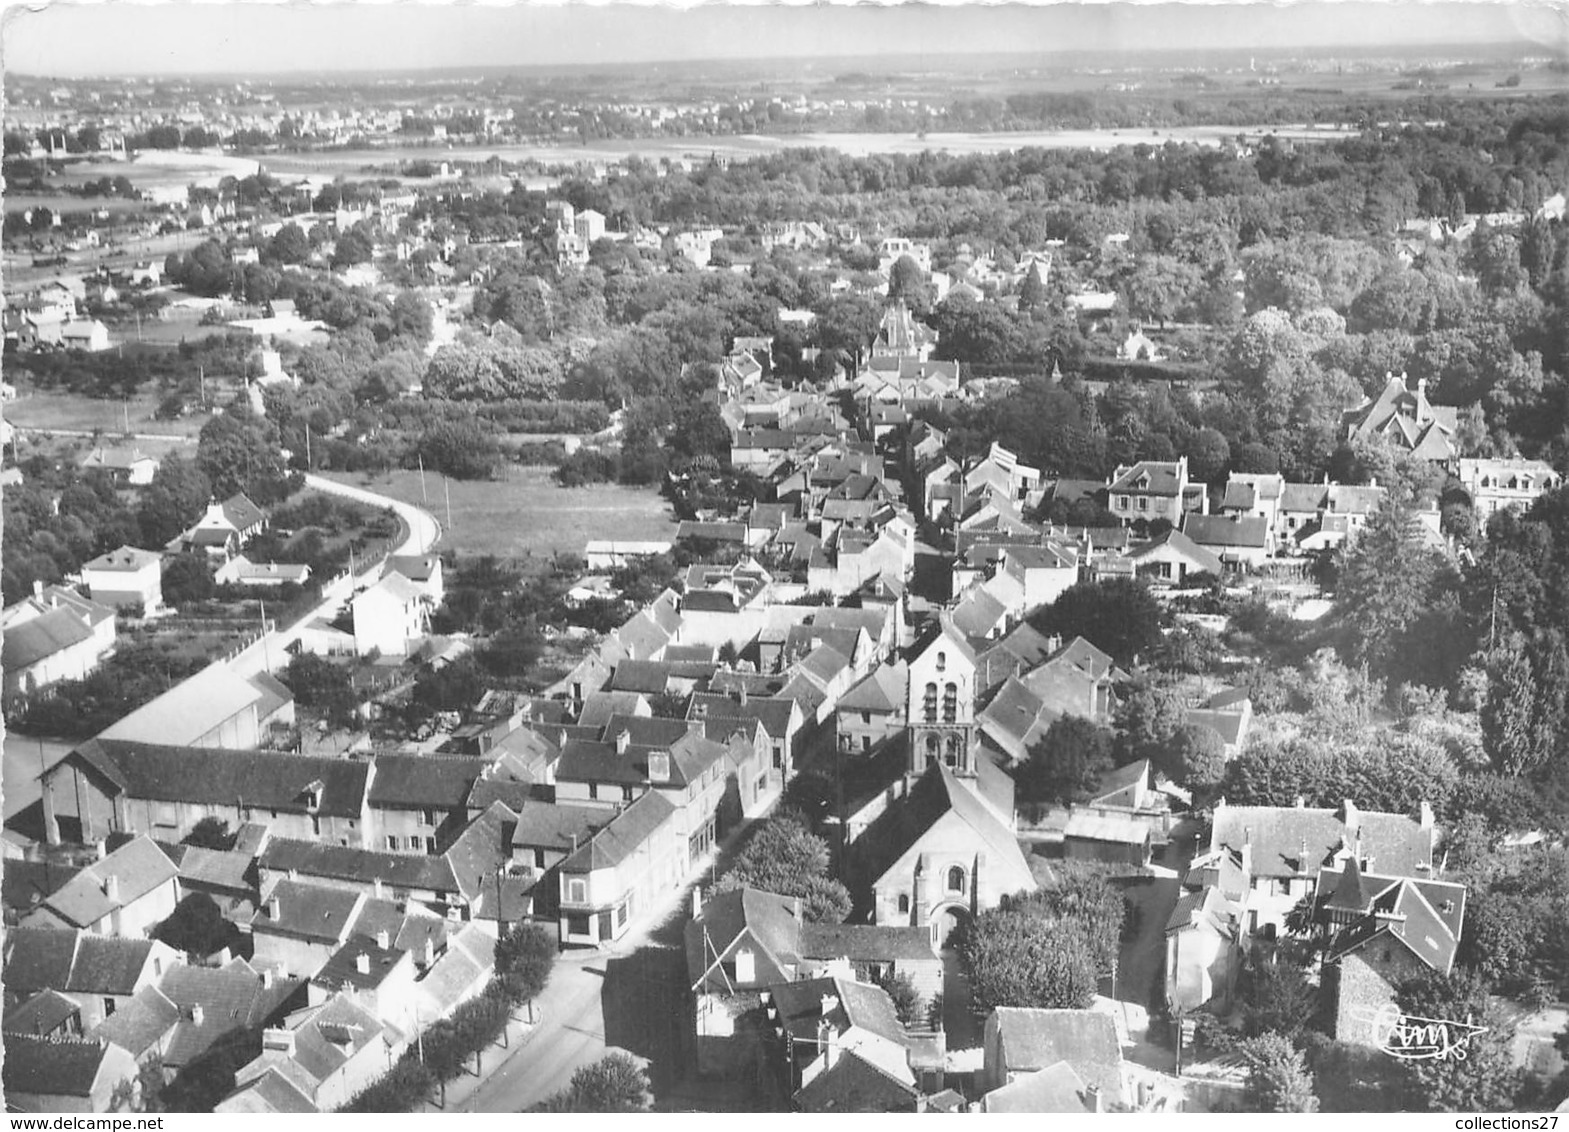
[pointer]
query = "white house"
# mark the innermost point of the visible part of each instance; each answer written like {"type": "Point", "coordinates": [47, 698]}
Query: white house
{"type": "Point", "coordinates": [54, 635]}
{"type": "Point", "coordinates": [85, 334]}
{"type": "Point", "coordinates": [389, 617]}
{"type": "Point", "coordinates": [1494, 485]}
{"type": "Point", "coordinates": [127, 576]}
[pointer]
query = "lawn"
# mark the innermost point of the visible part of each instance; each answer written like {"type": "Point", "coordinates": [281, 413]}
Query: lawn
{"type": "Point", "coordinates": [72, 412]}
{"type": "Point", "coordinates": [527, 513]}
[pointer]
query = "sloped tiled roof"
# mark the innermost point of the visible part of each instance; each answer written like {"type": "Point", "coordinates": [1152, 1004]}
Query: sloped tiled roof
{"type": "Point", "coordinates": [423, 782]}
{"type": "Point", "coordinates": [1288, 841]}
{"type": "Point", "coordinates": [769, 918]}
{"type": "Point", "coordinates": [139, 1024]}
{"type": "Point", "coordinates": [44, 1067]}
{"type": "Point", "coordinates": [623, 836]}
{"type": "Point", "coordinates": [43, 636]}
{"type": "Point", "coordinates": [261, 779]}
{"type": "Point", "coordinates": [135, 869]}
{"type": "Point", "coordinates": [1035, 1039]}
{"type": "Point", "coordinates": [41, 1014]}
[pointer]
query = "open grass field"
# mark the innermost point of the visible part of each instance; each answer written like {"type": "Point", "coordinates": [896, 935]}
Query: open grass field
{"type": "Point", "coordinates": [69, 412]}
{"type": "Point", "coordinates": [527, 514]}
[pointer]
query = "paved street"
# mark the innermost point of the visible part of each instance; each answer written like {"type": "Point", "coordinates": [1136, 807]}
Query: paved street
{"type": "Point", "coordinates": [631, 997]}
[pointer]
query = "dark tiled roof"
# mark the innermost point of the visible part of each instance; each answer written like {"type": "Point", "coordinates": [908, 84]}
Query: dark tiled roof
{"type": "Point", "coordinates": [420, 782]}
{"type": "Point", "coordinates": [43, 1067]}
{"type": "Point", "coordinates": [139, 1024]}
{"type": "Point", "coordinates": [1288, 841]}
{"type": "Point", "coordinates": [138, 867]}
{"type": "Point", "coordinates": [364, 866]}
{"type": "Point", "coordinates": [26, 883]}
{"type": "Point", "coordinates": [308, 911]}
{"type": "Point", "coordinates": [547, 825]}
{"type": "Point", "coordinates": [771, 920]}
{"type": "Point", "coordinates": [866, 942]}
{"type": "Point", "coordinates": [242, 513]}
{"type": "Point", "coordinates": [200, 775]}
{"type": "Point", "coordinates": [773, 713]}
{"type": "Point", "coordinates": [623, 836]}
{"type": "Point", "coordinates": [42, 636]}
{"type": "Point", "coordinates": [342, 971]}
{"type": "Point", "coordinates": [42, 1014]}
{"type": "Point", "coordinates": [1086, 1039]}
{"type": "Point", "coordinates": [1251, 531]}
{"type": "Point", "coordinates": [232, 998]}
{"type": "Point", "coordinates": [854, 1084]}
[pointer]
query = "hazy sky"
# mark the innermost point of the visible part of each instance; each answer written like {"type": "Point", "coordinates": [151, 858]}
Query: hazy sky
{"type": "Point", "coordinates": [119, 37]}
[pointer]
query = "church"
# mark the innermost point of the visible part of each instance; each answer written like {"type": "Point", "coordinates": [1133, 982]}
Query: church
{"type": "Point", "coordinates": [947, 849]}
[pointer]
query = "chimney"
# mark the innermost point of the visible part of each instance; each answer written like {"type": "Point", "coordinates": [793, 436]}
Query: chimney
{"type": "Point", "coordinates": [38, 588]}
{"type": "Point", "coordinates": [830, 1046]}
{"type": "Point", "coordinates": [383, 940]}
{"type": "Point", "coordinates": [1300, 802]}
{"type": "Point", "coordinates": [196, 1013]}
{"type": "Point", "coordinates": [795, 906]}
{"type": "Point", "coordinates": [623, 741]}
{"type": "Point", "coordinates": [1352, 819]}
{"type": "Point", "coordinates": [743, 693]}
{"type": "Point", "coordinates": [266, 978]}
{"type": "Point", "coordinates": [274, 909]}
{"type": "Point", "coordinates": [1247, 853]}
{"type": "Point", "coordinates": [100, 849]}
{"type": "Point", "coordinates": [377, 889]}
{"type": "Point", "coordinates": [430, 950]}
{"type": "Point", "coordinates": [1092, 1098]}
{"type": "Point", "coordinates": [830, 1003]}
{"type": "Point", "coordinates": [659, 766]}
{"type": "Point", "coordinates": [279, 1039]}
{"type": "Point", "coordinates": [1424, 815]}
{"type": "Point", "coordinates": [697, 901]}
{"type": "Point", "coordinates": [362, 963]}
{"type": "Point", "coordinates": [112, 889]}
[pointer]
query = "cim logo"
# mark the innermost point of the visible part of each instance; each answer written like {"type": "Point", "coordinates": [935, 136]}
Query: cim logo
{"type": "Point", "coordinates": [1412, 1038]}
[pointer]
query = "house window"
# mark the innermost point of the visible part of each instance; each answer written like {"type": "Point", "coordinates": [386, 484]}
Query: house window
{"type": "Point", "coordinates": [427, 817]}
{"type": "Point", "coordinates": [108, 1007]}
{"type": "Point", "coordinates": [430, 846]}
{"type": "Point", "coordinates": [866, 743]}
{"type": "Point", "coordinates": [577, 924]}
{"type": "Point", "coordinates": [929, 704]}
{"type": "Point", "coordinates": [778, 756]}
{"type": "Point", "coordinates": [1144, 503]}
{"type": "Point", "coordinates": [950, 702]}
{"type": "Point", "coordinates": [593, 791]}
{"type": "Point", "coordinates": [539, 859]}
{"type": "Point", "coordinates": [392, 843]}
{"type": "Point", "coordinates": [904, 903]}
{"type": "Point", "coordinates": [956, 879]}
{"type": "Point", "coordinates": [626, 793]}
{"type": "Point", "coordinates": [942, 662]}
{"type": "Point", "coordinates": [577, 891]}
{"type": "Point", "coordinates": [950, 754]}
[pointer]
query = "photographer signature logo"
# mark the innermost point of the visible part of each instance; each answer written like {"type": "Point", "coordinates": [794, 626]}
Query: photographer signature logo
{"type": "Point", "coordinates": [1412, 1038]}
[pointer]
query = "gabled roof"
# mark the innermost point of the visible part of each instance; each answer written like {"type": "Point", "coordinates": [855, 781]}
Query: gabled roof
{"type": "Point", "coordinates": [883, 689]}
{"type": "Point", "coordinates": [312, 912]}
{"type": "Point", "coordinates": [140, 1024]}
{"type": "Point", "coordinates": [361, 866]}
{"type": "Point", "coordinates": [1245, 531]}
{"type": "Point", "coordinates": [241, 513]}
{"type": "Point", "coordinates": [42, 1014]}
{"type": "Point", "coordinates": [769, 920]}
{"type": "Point", "coordinates": [623, 836]}
{"type": "Point", "coordinates": [231, 998]}
{"type": "Point", "coordinates": [774, 713]}
{"type": "Point", "coordinates": [414, 567]}
{"type": "Point", "coordinates": [1287, 841]}
{"type": "Point", "coordinates": [1427, 916]}
{"type": "Point", "coordinates": [870, 943]}
{"type": "Point", "coordinates": [133, 870]}
{"type": "Point", "coordinates": [43, 636]}
{"type": "Point", "coordinates": [935, 795]}
{"type": "Point", "coordinates": [423, 781]}
{"type": "Point", "coordinates": [192, 708]}
{"type": "Point", "coordinates": [127, 559]}
{"type": "Point", "coordinates": [1181, 544]}
{"type": "Point", "coordinates": [1157, 477]}
{"type": "Point", "coordinates": [262, 780]}
{"type": "Point", "coordinates": [856, 1082]}
{"type": "Point", "coordinates": [1057, 1088]}
{"type": "Point", "coordinates": [46, 1067]}
{"type": "Point", "coordinates": [1034, 1039]}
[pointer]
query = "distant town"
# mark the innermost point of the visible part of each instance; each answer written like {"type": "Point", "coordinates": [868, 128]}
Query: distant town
{"type": "Point", "coordinates": [702, 622]}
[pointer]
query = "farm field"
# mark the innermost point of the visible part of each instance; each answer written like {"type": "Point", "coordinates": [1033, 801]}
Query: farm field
{"type": "Point", "coordinates": [527, 513]}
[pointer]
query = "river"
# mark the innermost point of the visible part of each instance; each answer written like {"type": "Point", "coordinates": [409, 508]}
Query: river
{"type": "Point", "coordinates": [740, 146]}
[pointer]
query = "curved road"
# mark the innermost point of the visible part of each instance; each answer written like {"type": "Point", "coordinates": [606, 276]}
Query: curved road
{"type": "Point", "coordinates": [424, 530]}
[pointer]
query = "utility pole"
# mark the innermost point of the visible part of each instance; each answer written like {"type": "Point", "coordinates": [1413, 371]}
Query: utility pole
{"type": "Point", "coordinates": [307, 447]}
{"type": "Point", "coordinates": [446, 483]}
{"type": "Point", "coordinates": [423, 494]}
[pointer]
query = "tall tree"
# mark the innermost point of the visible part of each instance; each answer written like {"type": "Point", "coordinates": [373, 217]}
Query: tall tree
{"type": "Point", "coordinates": [1067, 763]}
{"type": "Point", "coordinates": [1385, 583]}
{"type": "Point", "coordinates": [1509, 716]}
{"type": "Point", "coordinates": [1278, 1077]}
